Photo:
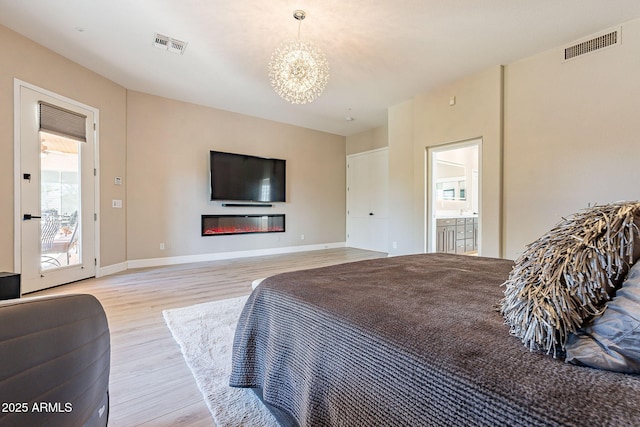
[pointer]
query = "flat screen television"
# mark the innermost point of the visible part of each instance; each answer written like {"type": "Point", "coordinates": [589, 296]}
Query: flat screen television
{"type": "Point", "coordinates": [240, 177]}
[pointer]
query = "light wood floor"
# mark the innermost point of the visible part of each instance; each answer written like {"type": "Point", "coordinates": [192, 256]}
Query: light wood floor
{"type": "Point", "coordinates": [150, 384]}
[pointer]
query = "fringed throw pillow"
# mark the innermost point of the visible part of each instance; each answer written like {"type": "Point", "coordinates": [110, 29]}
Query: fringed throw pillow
{"type": "Point", "coordinates": [567, 275]}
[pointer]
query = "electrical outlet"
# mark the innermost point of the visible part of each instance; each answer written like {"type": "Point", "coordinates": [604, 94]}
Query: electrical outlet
{"type": "Point", "coordinates": [162, 246]}
{"type": "Point", "coordinates": [302, 237]}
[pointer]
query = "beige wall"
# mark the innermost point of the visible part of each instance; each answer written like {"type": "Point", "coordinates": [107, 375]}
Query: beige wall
{"type": "Point", "coordinates": [557, 137]}
{"type": "Point", "coordinates": [32, 63]}
{"type": "Point", "coordinates": [570, 140]}
{"type": "Point", "coordinates": [160, 149]}
{"type": "Point", "coordinates": [369, 140]}
{"type": "Point", "coordinates": [477, 113]}
{"type": "Point", "coordinates": [572, 135]}
{"type": "Point", "coordinates": [168, 178]}
{"type": "Point", "coordinates": [404, 183]}
{"type": "Point", "coordinates": [428, 121]}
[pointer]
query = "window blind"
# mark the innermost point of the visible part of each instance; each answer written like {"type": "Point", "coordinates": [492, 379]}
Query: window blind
{"type": "Point", "coordinates": [63, 122]}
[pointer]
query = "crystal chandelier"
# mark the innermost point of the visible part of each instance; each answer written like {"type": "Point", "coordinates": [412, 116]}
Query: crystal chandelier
{"type": "Point", "coordinates": [298, 70]}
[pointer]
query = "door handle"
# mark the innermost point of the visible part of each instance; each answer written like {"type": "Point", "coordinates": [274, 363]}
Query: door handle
{"type": "Point", "coordinates": [29, 216]}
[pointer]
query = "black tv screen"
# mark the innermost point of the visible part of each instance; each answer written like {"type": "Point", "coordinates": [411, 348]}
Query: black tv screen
{"type": "Point", "coordinates": [241, 177]}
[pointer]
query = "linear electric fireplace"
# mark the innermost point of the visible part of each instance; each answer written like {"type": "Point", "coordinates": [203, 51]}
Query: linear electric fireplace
{"type": "Point", "coordinates": [218, 225]}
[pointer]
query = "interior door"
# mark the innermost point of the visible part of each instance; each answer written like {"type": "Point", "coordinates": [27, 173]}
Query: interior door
{"type": "Point", "coordinates": [57, 190]}
{"type": "Point", "coordinates": [358, 169]}
{"type": "Point", "coordinates": [367, 201]}
{"type": "Point", "coordinates": [378, 201]}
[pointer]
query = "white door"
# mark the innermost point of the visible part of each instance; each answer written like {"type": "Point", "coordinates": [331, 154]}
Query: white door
{"type": "Point", "coordinates": [56, 195]}
{"type": "Point", "coordinates": [367, 200]}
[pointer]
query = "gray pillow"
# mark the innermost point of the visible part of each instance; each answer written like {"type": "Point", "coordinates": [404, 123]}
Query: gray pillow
{"type": "Point", "coordinates": [612, 341]}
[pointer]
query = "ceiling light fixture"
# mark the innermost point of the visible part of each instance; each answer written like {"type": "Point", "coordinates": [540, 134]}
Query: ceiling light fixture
{"type": "Point", "coordinates": [298, 70]}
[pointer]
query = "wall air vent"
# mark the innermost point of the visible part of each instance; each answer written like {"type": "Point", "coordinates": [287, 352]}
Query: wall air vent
{"type": "Point", "coordinates": [592, 44]}
{"type": "Point", "coordinates": [167, 43]}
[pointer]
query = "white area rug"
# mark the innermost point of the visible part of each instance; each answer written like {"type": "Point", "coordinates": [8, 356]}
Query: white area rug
{"type": "Point", "coordinates": [205, 335]}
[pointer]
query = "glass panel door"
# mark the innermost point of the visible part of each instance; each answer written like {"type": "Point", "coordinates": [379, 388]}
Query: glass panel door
{"type": "Point", "coordinates": [60, 201]}
{"type": "Point", "coordinates": [56, 232]}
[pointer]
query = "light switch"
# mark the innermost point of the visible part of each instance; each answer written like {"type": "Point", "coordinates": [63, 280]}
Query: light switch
{"type": "Point", "coordinates": [117, 180]}
{"type": "Point", "coordinates": [116, 204]}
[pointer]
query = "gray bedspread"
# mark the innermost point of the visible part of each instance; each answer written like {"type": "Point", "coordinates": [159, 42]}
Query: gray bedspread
{"type": "Point", "coordinates": [411, 341]}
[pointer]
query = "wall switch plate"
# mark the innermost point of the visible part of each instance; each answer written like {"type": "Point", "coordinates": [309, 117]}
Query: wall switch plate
{"type": "Point", "coordinates": [116, 204]}
{"type": "Point", "coordinates": [117, 180]}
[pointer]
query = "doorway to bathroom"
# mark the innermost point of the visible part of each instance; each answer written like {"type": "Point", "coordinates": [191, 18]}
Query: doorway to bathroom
{"type": "Point", "coordinates": [453, 197]}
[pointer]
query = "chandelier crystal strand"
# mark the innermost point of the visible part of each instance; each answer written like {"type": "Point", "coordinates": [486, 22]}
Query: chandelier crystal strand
{"type": "Point", "coordinates": [298, 70]}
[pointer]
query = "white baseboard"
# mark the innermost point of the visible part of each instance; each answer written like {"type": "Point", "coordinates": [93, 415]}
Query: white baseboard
{"type": "Point", "coordinates": [157, 262]}
{"type": "Point", "coordinates": [111, 269]}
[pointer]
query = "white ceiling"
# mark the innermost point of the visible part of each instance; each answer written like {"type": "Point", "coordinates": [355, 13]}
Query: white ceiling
{"type": "Point", "coordinates": [380, 52]}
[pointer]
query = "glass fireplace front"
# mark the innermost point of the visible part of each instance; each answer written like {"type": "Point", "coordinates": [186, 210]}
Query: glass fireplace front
{"type": "Point", "coordinates": [219, 225]}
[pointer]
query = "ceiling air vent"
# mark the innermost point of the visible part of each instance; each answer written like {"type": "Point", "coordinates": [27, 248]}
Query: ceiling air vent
{"type": "Point", "coordinates": [177, 46]}
{"type": "Point", "coordinates": [167, 43]}
{"type": "Point", "coordinates": [593, 43]}
{"type": "Point", "coordinates": [161, 42]}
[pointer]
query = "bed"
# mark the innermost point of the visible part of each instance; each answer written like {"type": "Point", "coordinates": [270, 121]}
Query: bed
{"type": "Point", "coordinates": [407, 341]}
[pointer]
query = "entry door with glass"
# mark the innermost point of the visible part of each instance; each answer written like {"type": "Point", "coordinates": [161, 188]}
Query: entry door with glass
{"type": "Point", "coordinates": [57, 190]}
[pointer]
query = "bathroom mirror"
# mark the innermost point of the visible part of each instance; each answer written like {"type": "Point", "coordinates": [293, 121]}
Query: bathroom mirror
{"type": "Point", "coordinates": [451, 182]}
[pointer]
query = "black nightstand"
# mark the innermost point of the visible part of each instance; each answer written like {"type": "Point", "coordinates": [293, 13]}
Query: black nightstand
{"type": "Point", "coordinates": [9, 285]}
